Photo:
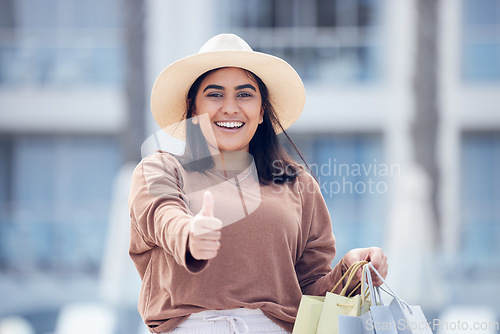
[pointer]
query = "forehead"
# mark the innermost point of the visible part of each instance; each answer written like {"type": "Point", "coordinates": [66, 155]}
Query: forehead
{"type": "Point", "coordinates": [230, 75]}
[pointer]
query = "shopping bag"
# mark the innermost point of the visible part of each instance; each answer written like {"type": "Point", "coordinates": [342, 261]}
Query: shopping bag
{"type": "Point", "coordinates": [308, 314]}
{"type": "Point", "coordinates": [406, 319]}
{"type": "Point", "coordinates": [382, 320]}
{"type": "Point", "coordinates": [310, 307]}
{"type": "Point", "coordinates": [409, 319]}
{"type": "Point", "coordinates": [340, 304]}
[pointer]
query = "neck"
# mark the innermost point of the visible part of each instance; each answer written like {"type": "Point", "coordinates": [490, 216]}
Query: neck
{"type": "Point", "coordinates": [232, 160]}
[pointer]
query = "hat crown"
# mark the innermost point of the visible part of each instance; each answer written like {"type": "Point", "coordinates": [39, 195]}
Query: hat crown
{"type": "Point", "coordinates": [225, 42]}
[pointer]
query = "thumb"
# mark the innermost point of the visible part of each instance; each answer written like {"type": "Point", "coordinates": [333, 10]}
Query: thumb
{"type": "Point", "coordinates": [207, 209]}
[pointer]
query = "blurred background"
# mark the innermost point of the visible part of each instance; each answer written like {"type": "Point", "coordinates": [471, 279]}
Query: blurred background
{"type": "Point", "coordinates": [401, 127]}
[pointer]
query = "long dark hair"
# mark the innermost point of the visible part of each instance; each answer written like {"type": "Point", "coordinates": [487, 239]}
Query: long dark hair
{"type": "Point", "coordinates": [272, 162]}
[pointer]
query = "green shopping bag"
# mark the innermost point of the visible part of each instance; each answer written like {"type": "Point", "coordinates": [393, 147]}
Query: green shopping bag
{"type": "Point", "coordinates": [311, 307]}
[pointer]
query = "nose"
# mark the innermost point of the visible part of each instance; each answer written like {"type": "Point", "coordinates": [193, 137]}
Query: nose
{"type": "Point", "coordinates": [230, 106]}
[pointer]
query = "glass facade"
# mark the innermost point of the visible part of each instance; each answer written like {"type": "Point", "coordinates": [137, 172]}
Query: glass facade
{"type": "Point", "coordinates": [55, 201]}
{"type": "Point", "coordinates": [55, 189]}
{"type": "Point", "coordinates": [480, 199]}
{"type": "Point", "coordinates": [61, 43]}
{"type": "Point", "coordinates": [327, 41]}
{"type": "Point", "coordinates": [480, 41]}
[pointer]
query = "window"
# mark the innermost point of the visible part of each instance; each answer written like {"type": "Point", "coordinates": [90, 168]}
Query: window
{"type": "Point", "coordinates": [354, 180]}
{"type": "Point", "coordinates": [58, 201]}
{"type": "Point", "coordinates": [61, 43]}
{"type": "Point", "coordinates": [480, 40]}
{"type": "Point", "coordinates": [5, 158]}
{"type": "Point", "coordinates": [480, 196]}
{"type": "Point", "coordinates": [324, 40]}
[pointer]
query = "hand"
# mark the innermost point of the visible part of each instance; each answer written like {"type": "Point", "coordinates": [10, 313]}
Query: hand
{"type": "Point", "coordinates": [374, 255]}
{"type": "Point", "coordinates": [204, 234]}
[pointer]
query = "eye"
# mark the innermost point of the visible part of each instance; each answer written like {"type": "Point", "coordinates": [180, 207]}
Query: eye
{"type": "Point", "coordinates": [214, 94]}
{"type": "Point", "coordinates": [244, 94]}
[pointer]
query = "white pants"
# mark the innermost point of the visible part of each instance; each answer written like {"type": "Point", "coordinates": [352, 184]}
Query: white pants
{"type": "Point", "coordinates": [237, 321]}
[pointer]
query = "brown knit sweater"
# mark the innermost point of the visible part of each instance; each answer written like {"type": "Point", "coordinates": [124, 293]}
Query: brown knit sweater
{"type": "Point", "coordinates": [277, 244]}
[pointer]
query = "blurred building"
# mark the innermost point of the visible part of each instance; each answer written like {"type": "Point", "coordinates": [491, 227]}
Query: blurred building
{"type": "Point", "coordinates": [62, 111]}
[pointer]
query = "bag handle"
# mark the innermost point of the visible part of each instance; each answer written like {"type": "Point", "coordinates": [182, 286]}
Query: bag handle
{"type": "Point", "coordinates": [366, 291]}
{"type": "Point", "coordinates": [373, 291]}
{"type": "Point", "coordinates": [370, 290]}
{"type": "Point", "coordinates": [350, 273]}
{"type": "Point", "coordinates": [390, 292]}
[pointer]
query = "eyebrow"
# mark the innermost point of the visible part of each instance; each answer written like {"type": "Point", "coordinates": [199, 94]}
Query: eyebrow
{"type": "Point", "coordinates": [213, 87]}
{"type": "Point", "coordinates": [249, 86]}
{"type": "Point", "coordinates": [245, 86]}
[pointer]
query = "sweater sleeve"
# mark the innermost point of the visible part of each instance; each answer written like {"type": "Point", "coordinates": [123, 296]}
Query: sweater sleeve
{"type": "Point", "coordinates": [159, 213]}
{"type": "Point", "coordinates": [313, 268]}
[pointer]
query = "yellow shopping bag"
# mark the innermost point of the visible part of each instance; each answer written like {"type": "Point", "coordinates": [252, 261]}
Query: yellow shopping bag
{"type": "Point", "coordinates": [311, 307]}
{"type": "Point", "coordinates": [308, 314]}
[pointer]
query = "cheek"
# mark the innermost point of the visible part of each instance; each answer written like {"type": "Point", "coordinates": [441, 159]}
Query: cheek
{"type": "Point", "coordinates": [256, 112]}
{"type": "Point", "coordinates": [202, 107]}
{"type": "Point", "coordinates": [204, 110]}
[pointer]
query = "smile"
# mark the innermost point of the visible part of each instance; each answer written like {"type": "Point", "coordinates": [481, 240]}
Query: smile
{"type": "Point", "coordinates": [230, 125]}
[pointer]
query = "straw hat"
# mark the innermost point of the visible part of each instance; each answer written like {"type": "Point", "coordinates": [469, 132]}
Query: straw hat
{"type": "Point", "coordinates": [286, 90]}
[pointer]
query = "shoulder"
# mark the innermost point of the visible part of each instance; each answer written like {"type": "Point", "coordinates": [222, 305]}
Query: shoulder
{"type": "Point", "coordinates": [303, 185]}
{"type": "Point", "coordinates": [161, 158]}
{"type": "Point", "coordinates": [309, 189]}
{"type": "Point", "coordinates": [159, 161]}
{"type": "Point", "coordinates": [157, 165]}
{"type": "Point", "coordinates": [305, 181]}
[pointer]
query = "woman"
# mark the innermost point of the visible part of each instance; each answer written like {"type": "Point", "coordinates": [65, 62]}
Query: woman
{"type": "Point", "coordinates": [229, 235]}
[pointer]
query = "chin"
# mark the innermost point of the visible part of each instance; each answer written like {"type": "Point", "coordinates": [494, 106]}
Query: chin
{"type": "Point", "coordinates": [231, 148]}
{"type": "Point", "coordinates": [228, 149]}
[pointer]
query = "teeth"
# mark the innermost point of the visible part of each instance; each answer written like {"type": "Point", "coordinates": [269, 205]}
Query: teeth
{"type": "Point", "coordinates": [229, 124]}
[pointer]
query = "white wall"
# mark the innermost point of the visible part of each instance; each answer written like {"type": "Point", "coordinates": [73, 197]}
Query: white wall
{"type": "Point", "coordinates": [52, 110]}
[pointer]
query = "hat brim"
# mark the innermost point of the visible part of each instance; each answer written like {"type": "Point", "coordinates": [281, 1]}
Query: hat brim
{"type": "Point", "coordinates": [169, 94]}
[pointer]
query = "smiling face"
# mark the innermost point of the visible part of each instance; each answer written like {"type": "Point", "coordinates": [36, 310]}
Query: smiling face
{"type": "Point", "coordinates": [232, 101]}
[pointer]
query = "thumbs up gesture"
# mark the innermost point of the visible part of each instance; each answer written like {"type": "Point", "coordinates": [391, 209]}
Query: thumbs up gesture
{"type": "Point", "coordinates": [205, 234]}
